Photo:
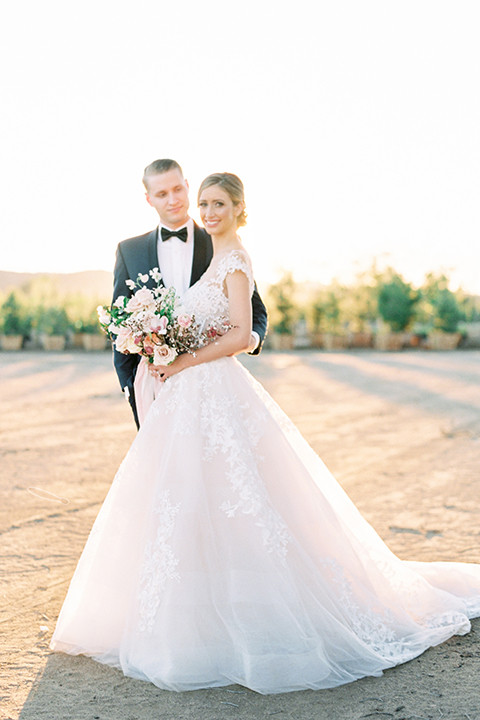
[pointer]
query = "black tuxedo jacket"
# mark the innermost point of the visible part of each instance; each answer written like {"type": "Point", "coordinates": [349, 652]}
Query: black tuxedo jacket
{"type": "Point", "coordinates": [139, 255]}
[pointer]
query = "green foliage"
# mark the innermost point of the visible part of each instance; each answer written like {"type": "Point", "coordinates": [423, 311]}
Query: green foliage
{"type": "Point", "coordinates": [396, 302]}
{"type": "Point", "coordinates": [360, 305]}
{"type": "Point", "coordinates": [13, 317]}
{"type": "Point", "coordinates": [45, 309]}
{"type": "Point", "coordinates": [326, 310]}
{"type": "Point", "coordinates": [82, 312]}
{"type": "Point", "coordinates": [469, 305]}
{"type": "Point", "coordinates": [282, 305]}
{"type": "Point", "coordinates": [87, 322]}
{"type": "Point", "coordinates": [448, 313]}
{"type": "Point", "coordinates": [441, 305]}
{"type": "Point", "coordinates": [361, 308]}
{"type": "Point", "coordinates": [373, 295]}
{"type": "Point", "coordinates": [39, 306]}
{"type": "Point", "coordinates": [53, 320]}
{"type": "Point", "coordinates": [433, 285]}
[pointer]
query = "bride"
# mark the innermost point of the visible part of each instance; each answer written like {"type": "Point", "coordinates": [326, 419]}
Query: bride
{"type": "Point", "coordinates": [225, 551]}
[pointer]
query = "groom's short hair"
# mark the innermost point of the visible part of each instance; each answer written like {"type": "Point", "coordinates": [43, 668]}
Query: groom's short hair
{"type": "Point", "coordinates": [158, 167]}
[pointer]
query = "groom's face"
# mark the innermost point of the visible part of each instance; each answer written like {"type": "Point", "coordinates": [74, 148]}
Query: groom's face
{"type": "Point", "coordinates": [168, 194]}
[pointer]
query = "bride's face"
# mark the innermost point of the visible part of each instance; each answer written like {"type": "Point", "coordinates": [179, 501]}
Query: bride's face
{"type": "Point", "coordinates": [217, 211]}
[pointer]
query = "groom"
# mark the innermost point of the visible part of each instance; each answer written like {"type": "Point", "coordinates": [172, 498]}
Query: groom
{"type": "Point", "coordinates": [179, 248]}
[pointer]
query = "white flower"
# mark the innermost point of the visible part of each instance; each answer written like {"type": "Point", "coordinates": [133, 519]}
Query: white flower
{"type": "Point", "coordinates": [159, 324]}
{"type": "Point", "coordinates": [103, 315]}
{"type": "Point", "coordinates": [142, 300]}
{"type": "Point", "coordinates": [145, 318]}
{"type": "Point", "coordinates": [125, 342]}
{"type": "Point", "coordinates": [130, 284]}
{"type": "Point", "coordinates": [143, 278]}
{"type": "Point", "coordinates": [156, 274]}
{"type": "Point", "coordinates": [119, 301]}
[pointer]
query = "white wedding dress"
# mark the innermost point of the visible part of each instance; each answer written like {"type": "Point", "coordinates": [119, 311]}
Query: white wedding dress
{"type": "Point", "coordinates": [225, 551]}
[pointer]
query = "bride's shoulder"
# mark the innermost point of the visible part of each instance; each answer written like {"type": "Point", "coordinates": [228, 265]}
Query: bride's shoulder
{"type": "Point", "coordinates": [232, 260]}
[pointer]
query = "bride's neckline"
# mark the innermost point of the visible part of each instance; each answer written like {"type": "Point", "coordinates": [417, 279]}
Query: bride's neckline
{"type": "Point", "coordinates": [210, 273]}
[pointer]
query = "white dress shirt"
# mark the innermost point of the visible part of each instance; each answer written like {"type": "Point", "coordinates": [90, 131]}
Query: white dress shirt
{"type": "Point", "coordinates": [175, 259]}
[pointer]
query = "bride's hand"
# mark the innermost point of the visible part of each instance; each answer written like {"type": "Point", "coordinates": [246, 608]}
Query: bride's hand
{"type": "Point", "coordinates": [154, 370]}
{"type": "Point", "coordinates": [162, 372]}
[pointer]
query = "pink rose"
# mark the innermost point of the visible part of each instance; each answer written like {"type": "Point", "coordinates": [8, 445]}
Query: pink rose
{"type": "Point", "coordinates": [184, 321]}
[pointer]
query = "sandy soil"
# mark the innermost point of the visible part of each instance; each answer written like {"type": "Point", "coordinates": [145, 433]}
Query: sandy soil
{"type": "Point", "coordinates": [401, 432]}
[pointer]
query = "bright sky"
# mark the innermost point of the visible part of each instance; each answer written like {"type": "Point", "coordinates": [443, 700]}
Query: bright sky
{"type": "Point", "coordinates": [353, 124]}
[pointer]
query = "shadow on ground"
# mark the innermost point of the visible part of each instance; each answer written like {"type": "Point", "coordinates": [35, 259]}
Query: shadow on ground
{"type": "Point", "coordinates": [440, 684]}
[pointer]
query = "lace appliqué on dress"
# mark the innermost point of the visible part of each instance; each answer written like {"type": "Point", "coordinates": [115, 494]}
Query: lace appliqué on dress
{"type": "Point", "coordinates": [206, 299]}
{"type": "Point", "coordinates": [159, 563]}
{"type": "Point", "coordinates": [374, 624]}
{"type": "Point", "coordinates": [229, 428]}
{"type": "Point", "coordinates": [233, 262]}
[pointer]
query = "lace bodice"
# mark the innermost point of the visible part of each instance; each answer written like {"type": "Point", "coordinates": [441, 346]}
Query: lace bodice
{"type": "Point", "coordinates": [207, 299]}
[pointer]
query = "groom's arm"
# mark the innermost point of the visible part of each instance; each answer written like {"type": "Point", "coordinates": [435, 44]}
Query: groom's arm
{"type": "Point", "coordinates": [259, 320]}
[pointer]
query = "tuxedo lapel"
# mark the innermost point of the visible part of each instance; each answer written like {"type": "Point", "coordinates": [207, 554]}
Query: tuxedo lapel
{"type": "Point", "coordinates": [202, 253]}
{"type": "Point", "coordinates": [152, 249]}
{"type": "Point", "coordinates": [152, 256]}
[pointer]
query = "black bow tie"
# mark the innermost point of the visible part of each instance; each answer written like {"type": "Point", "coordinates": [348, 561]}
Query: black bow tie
{"type": "Point", "coordinates": [181, 234]}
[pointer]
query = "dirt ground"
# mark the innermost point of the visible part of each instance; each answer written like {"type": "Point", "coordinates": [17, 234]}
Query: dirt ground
{"type": "Point", "coordinates": [400, 431]}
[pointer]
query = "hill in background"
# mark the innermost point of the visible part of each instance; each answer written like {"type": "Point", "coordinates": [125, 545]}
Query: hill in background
{"type": "Point", "coordinates": [91, 283]}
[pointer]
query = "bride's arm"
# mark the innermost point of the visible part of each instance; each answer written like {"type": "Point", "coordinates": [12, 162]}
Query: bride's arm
{"type": "Point", "coordinates": [234, 341]}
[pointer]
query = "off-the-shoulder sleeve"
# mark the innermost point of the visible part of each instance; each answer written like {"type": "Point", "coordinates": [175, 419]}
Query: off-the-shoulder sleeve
{"type": "Point", "coordinates": [236, 260]}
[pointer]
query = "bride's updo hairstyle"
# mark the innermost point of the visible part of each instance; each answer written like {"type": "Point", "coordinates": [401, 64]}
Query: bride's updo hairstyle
{"type": "Point", "coordinates": [232, 185]}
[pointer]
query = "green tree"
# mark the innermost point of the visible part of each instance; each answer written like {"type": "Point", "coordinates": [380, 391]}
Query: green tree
{"type": "Point", "coordinates": [332, 309]}
{"type": "Point", "coordinates": [13, 318]}
{"type": "Point", "coordinates": [82, 311]}
{"type": "Point", "coordinates": [326, 310]}
{"type": "Point", "coordinates": [282, 305]}
{"type": "Point", "coordinates": [469, 305]}
{"type": "Point", "coordinates": [396, 302]}
{"type": "Point", "coordinates": [360, 306]}
{"type": "Point", "coordinates": [441, 305]}
{"type": "Point", "coordinates": [53, 320]}
{"type": "Point", "coordinates": [448, 312]}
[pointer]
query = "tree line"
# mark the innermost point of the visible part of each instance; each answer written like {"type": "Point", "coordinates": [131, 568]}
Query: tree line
{"type": "Point", "coordinates": [40, 308]}
{"type": "Point", "coordinates": [376, 300]}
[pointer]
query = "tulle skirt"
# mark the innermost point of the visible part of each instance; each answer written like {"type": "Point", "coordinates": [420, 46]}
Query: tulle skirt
{"type": "Point", "coordinates": [226, 552]}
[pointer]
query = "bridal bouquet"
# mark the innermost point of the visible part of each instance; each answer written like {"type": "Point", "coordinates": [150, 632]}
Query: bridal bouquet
{"type": "Point", "coordinates": [151, 323]}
